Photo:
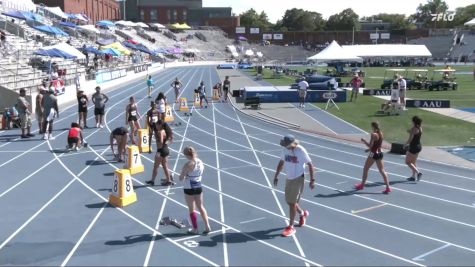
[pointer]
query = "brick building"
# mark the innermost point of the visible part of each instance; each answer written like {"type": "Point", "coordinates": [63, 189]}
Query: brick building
{"type": "Point", "coordinates": [171, 11]}
{"type": "Point", "coordinates": [96, 10]}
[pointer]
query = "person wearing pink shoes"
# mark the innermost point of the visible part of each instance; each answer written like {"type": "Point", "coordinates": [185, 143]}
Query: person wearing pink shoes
{"type": "Point", "coordinates": [375, 155]}
{"type": "Point", "coordinates": [293, 158]}
{"type": "Point", "coordinates": [191, 176]}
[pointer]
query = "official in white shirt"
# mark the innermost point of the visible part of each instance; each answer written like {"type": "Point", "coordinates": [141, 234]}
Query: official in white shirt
{"type": "Point", "coordinates": [303, 87]}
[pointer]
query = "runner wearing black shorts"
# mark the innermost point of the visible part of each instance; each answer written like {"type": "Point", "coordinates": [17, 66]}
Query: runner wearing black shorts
{"type": "Point", "coordinates": [163, 136]}
{"type": "Point", "coordinates": [120, 136]}
{"type": "Point", "coordinates": [191, 174]}
{"type": "Point", "coordinates": [375, 155]}
{"type": "Point", "coordinates": [226, 87]}
{"type": "Point", "coordinates": [153, 116]}
{"type": "Point", "coordinates": [83, 101]}
{"type": "Point", "coordinates": [413, 147]}
{"type": "Point", "coordinates": [132, 116]}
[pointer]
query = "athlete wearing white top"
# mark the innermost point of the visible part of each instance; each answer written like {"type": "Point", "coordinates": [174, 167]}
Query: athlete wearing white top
{"type": "Point", "coordinates": [161, 105]}
{"type": "Point", "coordinates": [193, 178]}
{"type": "Point", "coordinates": [402, 90]}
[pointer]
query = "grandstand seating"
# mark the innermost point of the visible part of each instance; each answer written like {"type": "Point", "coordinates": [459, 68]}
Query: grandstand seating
{"type": "Point", "coordinates": [465, 49]}
{"type": "Point", "coordinates": [439, 46]}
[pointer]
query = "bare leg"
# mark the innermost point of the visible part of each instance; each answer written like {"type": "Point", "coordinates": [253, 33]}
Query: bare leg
{"type": "Point", "coordinates": [165, 169]}
{"type": "Point", "coordinates": [156, 165]}
{"type": "Point", "coordinates": [369, 162]}
{"type": "Point", "coordinates": [204, 214]}
{"type": "Point", "coordinates": [411, 163]}
{"type": "Point", "coordinates": [380, 164]}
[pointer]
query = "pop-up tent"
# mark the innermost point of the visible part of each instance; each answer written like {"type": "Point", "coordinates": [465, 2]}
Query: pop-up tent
{"type": "Point", "coordinates": [24, 15]}
{"type": "Point", "coordinates": [57, 11]}
{"type": "Point", "coordinates": [53, 52]}
{"type": "Point", "coordinates": [335, 53]}
{"type": "Point", "coordinates": [89, 28]}
{"type": "Point", "coordinates": [118, 47]}
{"type": "Point", "coordinates": [64, 47]}
{"type": "Point", "coordinates": [388, 50]}
{"type": "Point", "coordinates": [470, 22]}
{"type": "Point", "coordinates": [178, 26]}
{"type": "Point", "coordinates": [105, 23]}
{"type": "Point", "coordinates": [112, 51]}
{"type": "Point", "coordinates": [141, 25]}
{"type": "Point", "coordinates": [51, 30]}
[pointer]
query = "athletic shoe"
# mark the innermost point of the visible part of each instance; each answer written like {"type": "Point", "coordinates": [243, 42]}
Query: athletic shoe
{"type": "Point", "coordinates": [152, 183]}
{"type": "Point", "coordinates": [419, 176]}
{"type": "Point", "coordinates": [30, 135]}
{"type": "Point", "coordinates": [97, 125]}
{"type": "Point", "coordinates": [387, 190]}
{"type": "Point", "coordinates": [288, 231]}
{"type": "Point", "coordinates": [359, 186]}
{"type": "Point", "coordinates": [206, 232]}
{"type": "Point", "coordinates": [303, 218]}
{"type": "Point", "coordinates": [45, 137]}
{"type": "Point", "coordinates": [303, 105]}
{"type": "Point", "coordinates": [192, 231]}
{"type": "Point", "coordinates": [76, 148]}
{"type": "Point", "coordinates": [411, 179]}
{"type": "Point", "coordinates": [102, 126]}
{"type": "Point", "coordinates": [85, 127]}
{"type": "Point", "coordinates": [51, 137]}
{"type": "Point", "coordinates": [24, 136]}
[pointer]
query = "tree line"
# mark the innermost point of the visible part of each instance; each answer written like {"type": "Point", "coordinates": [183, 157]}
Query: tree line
{"type": "Point", "coordinates": [303, 20]}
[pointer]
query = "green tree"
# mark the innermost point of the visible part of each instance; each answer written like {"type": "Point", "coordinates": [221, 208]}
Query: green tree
{"type": "Point", "coordinates": [302, 20]}
{"type": "Point", "coordinates": [398, 21]}
{"type": "Point", "coordinates": [343, 21]}
{"type": "Point", "coordinates": [251, 18]}
{"type": "Point", "coordinates": [462, 15]}
{"type": "Point", "coordinates": [424, 12]}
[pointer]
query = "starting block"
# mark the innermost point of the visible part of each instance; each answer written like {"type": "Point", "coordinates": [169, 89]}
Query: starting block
{"type": "Point", "coordinates": [123, 193]}
{"type": "Point", "coordinates": [168, 114]}
{"type": "Point", "coordinates": [196, 103]}
{"type": "Point", "coordinates": [143, 140]}
{"type": "Point", "coordinates": [133, 162]}
{"type": "Point", "coordinates": [180, 225]}
{"type": "Point", "coordinates": [184, 105]}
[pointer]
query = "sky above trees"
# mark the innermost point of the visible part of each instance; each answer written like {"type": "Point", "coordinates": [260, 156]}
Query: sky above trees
{"type": "Point", "coordinates": [275, 9]}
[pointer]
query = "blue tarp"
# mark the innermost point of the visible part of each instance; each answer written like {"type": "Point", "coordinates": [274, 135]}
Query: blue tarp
{"type": "Point", "coordinates": [129, 45]}
{"type": "Point", "coordinates": [92, 50]}
{"type": "Point", "coordinates": [23, 15]}
{"type": "Point", "coordinates": [54, 52]}
{"type": "Point", "coordinates": [68, 24]}
{"type": "Point", "coordinates": [51, 30]}
{"type": "Point", "coordinates": [112, 51]}
{"type": "Point", "coordinates": [104, 42]}
{"type": "Point", "coordinates": [105, 23]}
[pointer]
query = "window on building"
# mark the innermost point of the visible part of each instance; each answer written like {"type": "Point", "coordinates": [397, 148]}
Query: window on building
{"type": "Point", "coordinates": [175, 14]}
{"type": "Point", "coordinates": [168, 16]}
{"type": "Point", "coordinates": [185, 14]}
{"type": "Point", "coordinates": [142, 15]}
{"type": "Point", "coordinates": [153, 15]}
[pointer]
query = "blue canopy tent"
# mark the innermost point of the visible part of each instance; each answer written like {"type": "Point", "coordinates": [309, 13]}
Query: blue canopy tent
{"type": "Point", "coordinates": [51, 30]}
{"type": "Point", "coordinates": [104, 42]}
{"type": "Point", "coordinates": [23, 15]}
{"type": "Point", "coordinates": [105, 23]}
{"type": "Point", "coordinates": [68, 24]}
{"type": "Point", "coordinates": [144, 49]}
{"type": "Point", "coordinates": [130, 45]}
{"type": "Point", "coordinates": [54, 52]}
{"type": "Point", "coordinates": [92, 50]}
{"type": "Point", "coordinates": [112, 51]}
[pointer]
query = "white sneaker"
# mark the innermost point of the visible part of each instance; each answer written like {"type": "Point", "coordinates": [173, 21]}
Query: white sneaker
{"type": "Point", "coordinates": [45, 137]}
{"type": "Point", "coordinates": [102, 126]}
{"type": "Point", "coordinates": [51, 137]}
{"type": "Point", "coordinates": [76, 148]}
{"type": "Point", "coordinates": [97, 125]}
{"type": "Point", "coordinates": [303, 105]}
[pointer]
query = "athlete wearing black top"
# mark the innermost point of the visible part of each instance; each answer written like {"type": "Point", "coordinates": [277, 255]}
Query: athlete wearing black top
{"type": "Point", "coordinates": [82, 108]}
{"type": "Point", "coordinates": [413, 147]}
{"type": "Point", "coordinates": [226, 87]}
{"type": "Point", "coordinates": [120, 136]}
{"type": "Point", "coordinates": [163, 136]}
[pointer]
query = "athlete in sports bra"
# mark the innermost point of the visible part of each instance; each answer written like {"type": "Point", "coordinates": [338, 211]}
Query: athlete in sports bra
{"type": "Point", "coordinates": [153, 116]}
{"type": "Point", "coordinates": [132, 117]}
{"type": "Point", "coordinates": [163, 136]}
{"type": "Point", "coordinates": [375, 155]}
{"type": "Point", "coordinates": [413, 147]}
{"type": "Point", "coordinates": [177, 86]}
{"type": "Point", "coordinates": [191, 175]}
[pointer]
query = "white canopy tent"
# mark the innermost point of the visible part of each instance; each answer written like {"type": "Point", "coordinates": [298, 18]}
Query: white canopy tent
{"type": "Point", "coordinates": [141, 25]}
{"type": "Point", "coordinates": [470, 22]}
{"type": "Point", "coordinates": [57, 11]}
{"type": "Point", "coordinates": [159, 26]}
{"type": "Point", "coordinates": [388, 50]}
{"type": "Point", "coordinates": [68, 49]}
{"type": "Point", "coordinates": [89, 28]}
{"type": "Point", "coordinates": [334, 52]}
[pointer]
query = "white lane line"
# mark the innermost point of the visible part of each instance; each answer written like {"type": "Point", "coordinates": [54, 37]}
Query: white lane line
{"type": "Point", "coordinates": [244, 132]}
{"type": "Point", "coordinates": [169, 188]}
{"type": "Point", "coordinates": [368, 209]}
{"type": "Point", "coordinates": [220, 188]}
{"type": "Point", "coordinates": [254, 220]}
{"type": "Point", "coordinates": [317, 121]}
{"type": "Point", "coordinates": [88, 229]}
{"type": "Point", "coordinates": [341, 211]}
{"type": "Point", "coordinates": [196, 236]}
{"type": "Point", "coordinates": [342, 182]}
{"type": "Point", "coordinates": [236, 167]}
{"type": "Point", "coordinates": [167, 191]}
{"type": "Point", "coordinates": [421, 257]}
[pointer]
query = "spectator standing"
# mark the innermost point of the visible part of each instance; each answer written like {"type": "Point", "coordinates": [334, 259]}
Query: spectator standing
{"type": "Point", "coordinates": [51, 111]}
{"type": "Point", "coordinates": [226, 88]}
{"type": "Point", "coordinates": [39, 108]}
{"type": "Point", "coordinates": [83, 101]}
{"type": "Point", "coordinates": [303, 87]}
{"type": "Point", "coordinates": [402, 91]}
{"type": "Point", "coordinates": [99, 99]}
{"type": "Point", "coordinates": [24, 111]}
{"type": "Point", "coordinates": [149, 86]}
{"type": "Point", "coordinates": [355, 86]}
{"type": "Point", "coordinates": [294, 158]}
